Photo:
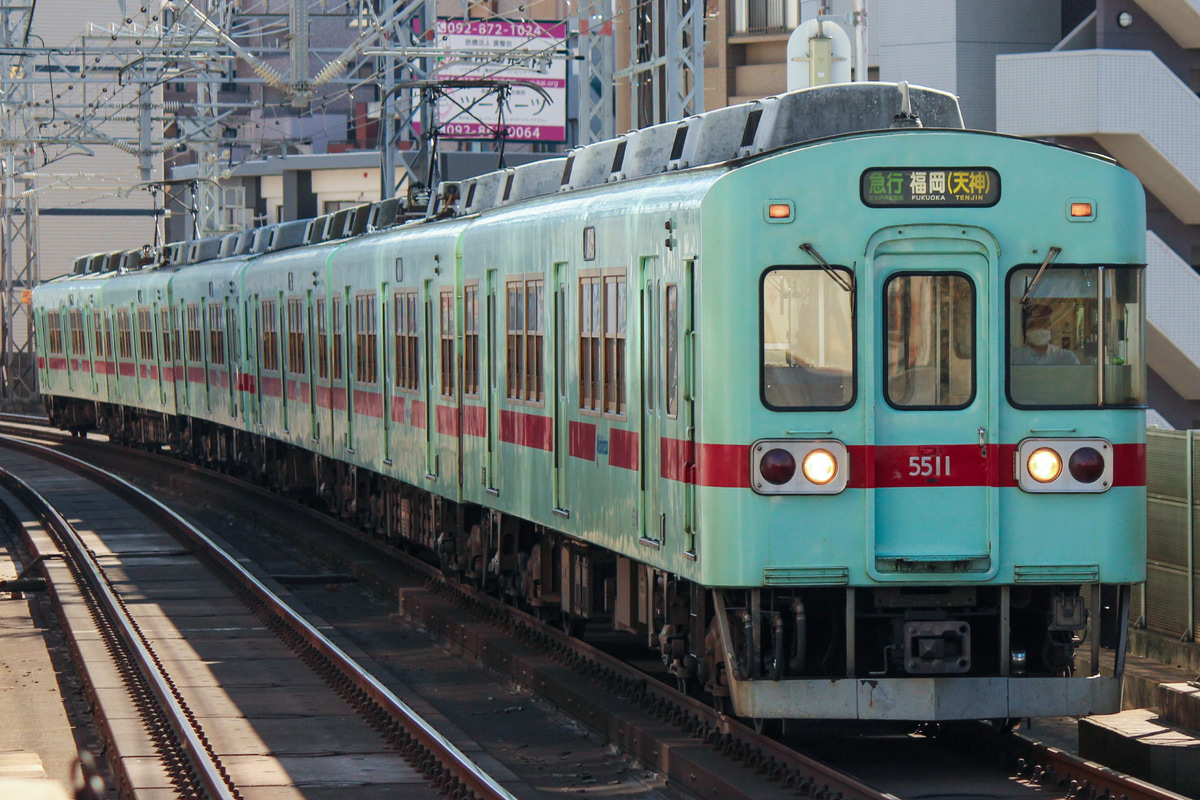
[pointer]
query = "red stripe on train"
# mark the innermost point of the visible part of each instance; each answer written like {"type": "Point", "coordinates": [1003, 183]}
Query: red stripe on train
{"type": "Point", "coordinates": [528, 430]}
{"type": "Point", "coordinates": [475, 421]}
{"type": "Point", "coordinates": [677, 460]}
{"type": "Point", "coordinates": [270, 386]}
{"type": "Point", "coordinates": [623, 448]}
{"type": "Point", "coordinates": [583, 441]}
{"type": "Point", "coordinates": [369, 404]}
{"type": "Point", "coordinates": [728, 465]}
{"type": "Point", "coordinates": [447, 420]}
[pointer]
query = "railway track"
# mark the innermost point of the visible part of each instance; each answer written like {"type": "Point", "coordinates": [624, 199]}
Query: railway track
{"type": "Point", "coordinates": [131, 631]}
{"type": "Point", "coordinates": [696, 747]}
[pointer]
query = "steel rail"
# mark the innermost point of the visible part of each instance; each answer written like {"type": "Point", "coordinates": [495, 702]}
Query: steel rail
{"type": "Point", "coordinates": [25, 419]}
{"type": "Point", "coordinates": [453, 760]}
{"type": "Point", "coordinates": [1039, 762]}
{"type": "Point", "coordinates": [1085, 779]}
{"type": "Point", "coordinates": [208, 769]}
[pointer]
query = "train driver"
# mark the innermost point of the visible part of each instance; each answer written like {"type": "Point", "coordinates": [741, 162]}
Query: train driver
{"type": "Point", "coordinates": [1037, 349]}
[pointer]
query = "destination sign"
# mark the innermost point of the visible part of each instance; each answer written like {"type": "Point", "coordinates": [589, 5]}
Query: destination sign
{"type": "Point", "coordinates": [937, 187]}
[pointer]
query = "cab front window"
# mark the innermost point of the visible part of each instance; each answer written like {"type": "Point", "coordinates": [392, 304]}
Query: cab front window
{"type": "Point", "coordinates": [1076, 337]}
{"type": "Point", "coordinates": [807, 339]}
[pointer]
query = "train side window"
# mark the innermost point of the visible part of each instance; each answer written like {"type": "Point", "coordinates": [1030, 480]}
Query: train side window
{"type": "Point", "coordinates": [590, 388]}
{"type": "Point", "coordinates": [525, 326]}
{"type": "Point", "coordinates": [336, 324]}
{"type": "Point", "coordinates": [322, 340]}
{"type": "Point", "coordinates": [672, 345]}
{"type": "Point", "coordinates": [145, 334]}
{"type": "Point", "coordinates": [295, 321]}
{"type": "Point", "coordinates": [231, 333]}
{"type": "Point", "coordinates": [108, 346]}
{"type": "Point", "coordinates": [373, 336]}
{"type": "Point", "coordinates": [269, 338]}
{"type": "Point", "coordinates": [471, 340]}
{"type": "Point", "coordinates": [404, 323]}
{"type": "Point", "coordinates": [446, 317]}
{"type": "Point", "coordinates": [808, 343]}
{"type": "Point", "coordinates": [359, 337]}
{"type": "Point", "coordinates": [515, 328]}
{"type": "Point", "coordinates": [366, 339]}
{"type": "Point", "coordinates": [615, 307]}
{"type": "Point", "coordinates": [54, 331]}
{"type": "Point", "coordinates": [165, 319]}
{"type": "Point", "coordinates": [603, 301]}
{"type": "Point", "coordinates": [929, 341]}
{"type": "Point", "coordinates": [534, 333]}
{"type": "Point", "coordinates": [414, 344]}
{"type": "Point", "coordinates": [216, 335]}
{"type": "Point", "coordinates": [97, 334]}
{"type": "Point", "coordinates": [124, 334]}
{"type": "Point", "coordinates": [194, 346]}
{"type": "Point", "coordinates": [78, 347]}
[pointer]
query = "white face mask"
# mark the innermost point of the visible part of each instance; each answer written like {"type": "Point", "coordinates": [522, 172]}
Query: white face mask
{"type": "Point", "coordinates": [1038, 337]}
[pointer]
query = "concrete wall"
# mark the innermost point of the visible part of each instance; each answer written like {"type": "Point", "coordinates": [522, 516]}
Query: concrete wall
{"type": "Point", "coordinates": [952, 45]}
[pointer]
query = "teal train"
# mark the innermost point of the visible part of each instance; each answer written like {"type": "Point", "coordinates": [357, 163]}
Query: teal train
{"type": "Point", "coordinates": [840, 407]}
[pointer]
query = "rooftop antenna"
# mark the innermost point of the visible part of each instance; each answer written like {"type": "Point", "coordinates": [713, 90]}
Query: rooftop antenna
{"type": "Point", "coordinates": [905, 119]}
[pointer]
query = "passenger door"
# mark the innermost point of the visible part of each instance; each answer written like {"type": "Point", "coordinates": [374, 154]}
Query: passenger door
{"type": "Point", "coordinates": [559, 394]}
{"type": "Point", "coordinates": [651, 513]}
{"type": "Point", "coordinates": [233, 357]}
{"type": "Point", "coordinates": [491, 387]}
{"type": "Point", "coordinates": [431, 378]}
{"type": "Point", "coordinates": [935, 475]}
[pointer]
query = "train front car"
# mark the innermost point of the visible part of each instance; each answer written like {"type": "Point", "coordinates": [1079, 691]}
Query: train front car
{"type": "Point", "coordinates": [942, 492]}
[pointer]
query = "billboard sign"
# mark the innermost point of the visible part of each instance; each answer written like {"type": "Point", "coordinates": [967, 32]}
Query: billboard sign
{"type": "Point", "coordinates": [498, 50]}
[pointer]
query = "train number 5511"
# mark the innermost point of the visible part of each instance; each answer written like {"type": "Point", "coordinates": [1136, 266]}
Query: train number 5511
{"type": "Point", "coordinates": [924, 466]}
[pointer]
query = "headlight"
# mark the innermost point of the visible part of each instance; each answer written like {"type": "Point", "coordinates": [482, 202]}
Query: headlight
{"type": "Point", "coordinates": [1044, 465]}
{"type": "Point", "coordinates": [1064, 466]}
{"type": "Point", "coordinates": [799, 466]}
{"type": "Point", "coordinates": [820, 467]}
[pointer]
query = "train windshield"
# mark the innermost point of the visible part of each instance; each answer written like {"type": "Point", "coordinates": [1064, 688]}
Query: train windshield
{"type": "Point", "coordinates": [1078, 339]}
{"type": "Point", "coordinates": [807, 339]}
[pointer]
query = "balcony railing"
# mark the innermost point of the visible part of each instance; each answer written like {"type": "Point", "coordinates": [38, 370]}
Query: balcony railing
{"type": "Point", "coordinates": [762, 16]}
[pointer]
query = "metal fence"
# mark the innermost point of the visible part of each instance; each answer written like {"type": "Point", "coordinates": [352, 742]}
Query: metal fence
{"type": "Point", "coordinates": [1167, 601]}
{"type": "Point", "coordinates": [762, 16]}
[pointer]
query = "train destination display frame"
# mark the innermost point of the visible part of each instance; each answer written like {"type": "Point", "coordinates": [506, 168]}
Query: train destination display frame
{"type": "Point", "coordinates": [929, 187]}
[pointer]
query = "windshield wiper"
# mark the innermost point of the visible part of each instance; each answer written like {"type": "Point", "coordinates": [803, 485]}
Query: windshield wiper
{"type": "Point", "coordinates": [1054, 251]}
{"type": "Point", "coordinates": [838, 278]}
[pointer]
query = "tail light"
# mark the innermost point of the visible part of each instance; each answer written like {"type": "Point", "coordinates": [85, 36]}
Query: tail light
{"type": "Point", "coordinates": [799, 467]}
{"type": "Point", "coordinates": [1087, 465]}
{"type": "Point", "coordinates": [1064, 465]}
{"type": "Point", "coordinates": [777, 466]}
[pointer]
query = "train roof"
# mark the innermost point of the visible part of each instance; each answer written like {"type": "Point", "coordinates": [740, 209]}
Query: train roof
{"type": "Point", "coordinates": [713, 137]}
